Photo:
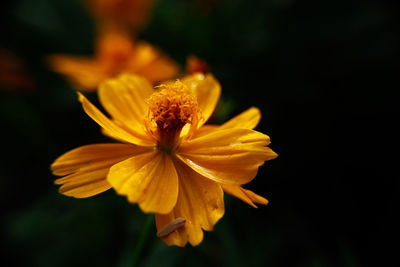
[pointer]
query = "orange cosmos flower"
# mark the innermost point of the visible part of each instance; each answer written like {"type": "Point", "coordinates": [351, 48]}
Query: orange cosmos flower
{"type": "Point", "coordinates": [115, 53]}
{"type": "Point", "coordinates": [169, 163]}
{"type": "Point", "coordinates": [133, 14]}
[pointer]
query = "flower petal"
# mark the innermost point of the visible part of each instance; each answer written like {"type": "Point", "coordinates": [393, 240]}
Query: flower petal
{"type": "Point", "coordinates": [149, 179]}
{"type": "Point", "coordinates": [230, 156]}
{"type": "Point", "coordinates": [207, 89]}
{"type": "Point", "coordinates": [111, 127]}
{"type": "Point", "coordinates": [149, 62]}
{"type": "Point", "coordinates": [245, 120]}
{"type": "Point", "coordinates": [83, 73]}
{"type": "Point", "coordinates": [200, 203]}
{"type": "Point", "coordinates": [85, 184]}
{"type": "Point", "coordinates": [124, 99]}
{"type": "Point", "coordinates": [86, 167]}
{"type": "Point", "coordinates": [246, 195]}
{"type": "Point", "coordinates": [204, 130]}
{"type": "Point", "coordinates": [255, 198]}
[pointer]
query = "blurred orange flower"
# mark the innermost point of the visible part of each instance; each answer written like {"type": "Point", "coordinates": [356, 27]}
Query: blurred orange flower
{"type": "Point", "coordinates": [123, 14]}
{"type": "Point", "coordinates": [115, 53]}
{"type": "Point", "coordinates": [170, 163]}
{"type": "Point", "coordinates": [13, 76]}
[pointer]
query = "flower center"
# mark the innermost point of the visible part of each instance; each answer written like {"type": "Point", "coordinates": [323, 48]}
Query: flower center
{"type": "Point", "coordinates": [113, 52]}
{"type": "Point", "coordinates": [170, 109]}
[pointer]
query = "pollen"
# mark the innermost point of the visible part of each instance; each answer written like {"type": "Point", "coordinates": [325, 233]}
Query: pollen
{"type": "Point", "coordinates": [172, 107]}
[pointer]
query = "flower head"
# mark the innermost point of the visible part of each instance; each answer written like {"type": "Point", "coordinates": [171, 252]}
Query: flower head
{"type": "Point", "coordinates": [169, 163]}
{"type": "Point", "coordinates": [115, 53]}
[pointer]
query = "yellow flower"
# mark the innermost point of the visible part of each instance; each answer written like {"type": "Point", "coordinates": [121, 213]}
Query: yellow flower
{"type": "Point", "coordinates": [170, 163]}
{"type": "Point", "coordinates": [115, 53]}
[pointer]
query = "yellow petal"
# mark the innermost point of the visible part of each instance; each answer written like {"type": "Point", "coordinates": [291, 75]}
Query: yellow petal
{"type": "Point", "coordinates": [204, 130]}
{"type": "Point", "coordinates": [92, 156]}
{"type": "Point", "coordinates": [245, 120]}
{"type": "Point", "coordinates": [246, 195]}
{"type": "Point", "coordinates": [207, 89]}
{"type": "Point", "coordinates": [230, 156]}
{"type": "Point", "coordinates": [84, 73]}
{"type": "Point", "coordinates": [124, 99]}
{"type": "Point", "coordinates": [256, 198]}
{"type": "Point", "coordinates": [149, 179]}
{"type": "Point", "coordinates": [111, 127]}
{"type": "Point", "coordinates": [200, 203]}
{"type": "Point", "coordinates": [143, 56]}
{"type": "Point", "coordinates": [152, 64]}
{"type": "Point", "coordinates": [225, 138]}
{"type": "Point", "coordinates": [86, 167]}
{"type": "Point", "coordinates": [85, 184]}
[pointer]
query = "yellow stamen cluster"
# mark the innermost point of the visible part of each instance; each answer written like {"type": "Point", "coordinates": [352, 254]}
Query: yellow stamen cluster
{"type": "Point", "coordinates": [171, 108]}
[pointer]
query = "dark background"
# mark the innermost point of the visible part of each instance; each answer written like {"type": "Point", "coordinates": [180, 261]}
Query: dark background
{"type": "Point", "coordinates": [323, 74]}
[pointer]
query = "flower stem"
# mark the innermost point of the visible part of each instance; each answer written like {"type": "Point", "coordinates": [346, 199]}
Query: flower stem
{"type": "Point", "coordinates": [142, 240]}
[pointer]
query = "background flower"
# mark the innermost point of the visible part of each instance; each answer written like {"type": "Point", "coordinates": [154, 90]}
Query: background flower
{"type": "Point", "coordinates": [131, 15]}
{"type": "Point", "coordinates": [13, 76]}
{"type": "Point", "coordinates": [115, 53]}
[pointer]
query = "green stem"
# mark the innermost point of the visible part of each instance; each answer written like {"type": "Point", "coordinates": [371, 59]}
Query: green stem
{"type": "Point", "coordinates": [142, 240]}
